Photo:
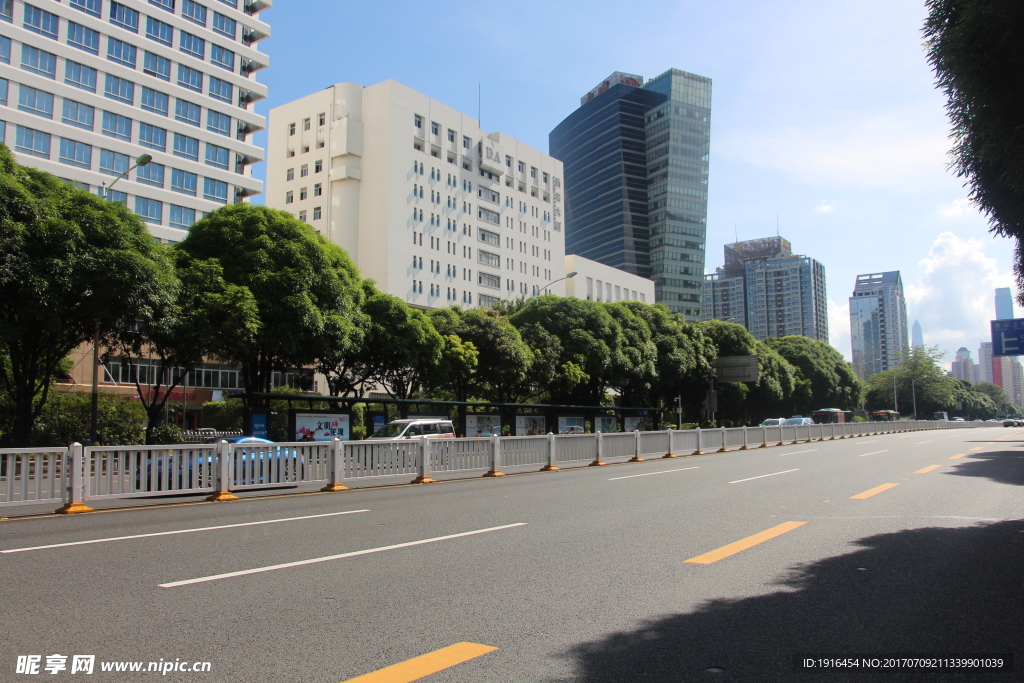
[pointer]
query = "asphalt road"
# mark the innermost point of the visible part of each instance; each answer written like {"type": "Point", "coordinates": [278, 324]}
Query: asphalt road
{"type": "Point", "coordinates": [653, 571]}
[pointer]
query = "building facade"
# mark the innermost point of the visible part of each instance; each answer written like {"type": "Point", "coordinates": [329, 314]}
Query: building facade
{"type": "Point", "coordinates": [87, 86]}
{"type": "Point", "coordinates": [1004, 303]}
{"type": "Point", "coordinates": [878, 323]}
{"type": "Point", "coordinates": [597, 282]}
{"type": "Point", "coordinates": [636, 164]}
{"type": "Point", "coordinates": [985, 362]}
{"type": "Point", "coordinates": [769, 290]}
{"type": "Point", "coordinates": [963, 366]}
{"type": "Point", "coordinates": [917, 335]}
{"type": "Point", "coordinates": [432, 207]}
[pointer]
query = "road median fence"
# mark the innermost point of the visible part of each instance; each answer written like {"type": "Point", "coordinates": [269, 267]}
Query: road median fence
{"type": "Point", "coordinates": [71, 477]}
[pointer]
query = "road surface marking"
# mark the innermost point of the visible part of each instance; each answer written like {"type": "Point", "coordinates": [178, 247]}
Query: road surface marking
{"type": "Point", "coordinates": [872, 441]}
{"type": "Point", "coordinates": [872, 453]}
{"type": "Point", "coordinates": [928, 469]}
{"type": "Point", "coordinates": [424, 665]}
{"type": "Point", "coordinates": [977, 448]}
{"type": "Point", "coordinates": [763, 476]}
{"type": "Point", "coordinates": [989, 443]}
{"type": "Point", "coordinates": [871, 492]}
{"type": "Point", "coordinates": [957, 457]}
{"type": "Point", "coordinates": [921, 442]}
{"type": "Point", "coordinates": [287, 565]}
{"type": "Point", "coordinates": [650, 473]}
{"type": "Point", "coordinates": [179, 531]}
{"type": "Point", "coordinates": [743, 544]}
{"type": "Point", "coordinates": [809, 450]}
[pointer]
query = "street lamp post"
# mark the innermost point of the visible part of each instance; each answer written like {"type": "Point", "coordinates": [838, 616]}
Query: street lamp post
{"type": "Point", "coordinates": [570, 275]}
{"type": "Point", "coordinates": [142, 160]}
{"type": "Point", "coordinates": [914, 393]}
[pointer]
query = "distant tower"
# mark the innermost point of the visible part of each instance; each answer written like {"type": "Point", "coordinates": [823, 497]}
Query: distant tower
{"type": "Point", "coordinates": [878, 322]}
{"type": "Point", "coordinates": [1004, 304]}
{"type": "Point", "coordinates": [963, 366]}
{"type": "Point", "coordinates": [917, 335]}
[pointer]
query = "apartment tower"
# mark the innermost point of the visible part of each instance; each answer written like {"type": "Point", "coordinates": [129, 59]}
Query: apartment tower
{"type": "Point", "coordinates": [878, 322]}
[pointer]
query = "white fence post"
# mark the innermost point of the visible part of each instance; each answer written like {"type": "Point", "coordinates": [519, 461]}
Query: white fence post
{"type": "Point", "coordinates": [698, 451]}
{"type": "Point", "coordinates": [76, 482]}
{"type": "Point", "coordinates": [550, 467]}
{"type": "Point", "coordinates": [336, 461]}
{"type": "Point", "coordinates": [723, 449]}
{"type": "Point", "coordinates": [636, 450]}
{"type": "Point", "coordinates": [223, 492]}
{"type": "Point", "coordinates": [598, 462]}
{"type": "Point", "coordinates": [424, 477]}
{"type": "Point", "coordinates": [745, 447]}
{"type": "Point", "coordinates": [669, 454]}
{"type": "Point", "coordinates": [495, 457]}
{"type": "Point", "coordinates": [764, 437]}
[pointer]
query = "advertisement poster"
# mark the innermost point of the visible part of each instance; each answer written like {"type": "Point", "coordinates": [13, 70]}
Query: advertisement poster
{"type": "Point", "coordinates": [322, 426]}
{"type": "Point", "coordinates": [480, 424]}
{"type": "Point", "coordinates": [635, 423]}
{"type": "Point", "coordinates": [606, 424]}
{"type": "Point", "coordinates": [375, 421]}
{"type": "Point", "coordinates": [258, 424]}
{"type": "Point", "coordinates": [529, 425]}
{"type": "Point", "coordinates": [570, 424]}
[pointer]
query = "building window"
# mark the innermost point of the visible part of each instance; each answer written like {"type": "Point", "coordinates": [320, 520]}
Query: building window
{"type": "Point", "coordinates": [149, 210]}
{"type": "Point", "coordinates": [41, 22]}
{"type": "Point", "coordinates": [7, 10]}
{"type": "Point", "coordinates": [36, 102]}
{"type": "Point", "coordinates": [302, 216]}
{"type": "Point", "coordinates": [158, 66]}
{"type": "Point", "coordinates": [159, 31]}
{"type": "Point", "coordinates": [302, 193]}
{"type": "Point", "coordinates": [5, 49]}
{"type": "Point", "coordinates": [316, 213]}
{"type": "Point", "coordinates": [305, 124]}
{"type": "Point", "coordinates": [222, 57]}
{"type": "Point", "coordinates": [152, 137]}
{"type": "Point", "coordinates": [323, 119]}
{"type": "Point", "coordinates": [113, 163]}
{"type": "Point", "coordinates": [186, 112]}
{"type": "Point", "coordinates": [190, 78]}
{"type": "Point", "coordinates": [38, 61]}
{"type": "Point", "coordinates": [78, 114]}
{"type": "Point", "coordinates": [181, 217]}
{"type": "Point", "coordinates": [117, 126]}
{"type": "Point", "coordinates": [194, 12]}
{"type": "Point", "coordinates": [318, 166]}
{"type": "Point", "coordinates": [224, 25]}
{"type": "Point", "coordinates": [150, 174]}
{"type": "Point", "coordinates": [164, 4]}
{"type": "Point", "coordinates": [119, 89]}
{"type": "Point", "coordinates": [291, 129]}
{"type": "Point", "coordinates": [290, 174]}
{"type": "Point", "coordinates": [417, 121]}
{"type": "Point", "coordinates": [75, 153]}
{"type": "Point", "coordinates": [121, 53]}
{"type": "Point", "coordinates": [125, 17]}
{"type": "Point", "coordinates": [93, 7]}
{"type": "Point", "coordinates": [154, 101]}
{"type": "Point", "coordinates": [220, 90]}
{"type": "Point", "coordinates": [83, 38]}
{"type": "Point", "coordinates": [304, 171]}
{"type": "Point", "coordinates": [191, 45]}
{"type": "Point", "coordinates": [318, 189]}
{"type": "Point", "coordinates": [80, 75]}
{"type": "Point", "coordinates": [216, 156]}
{"type": "Point", "coordinates": [215, 190]}
{"type": "Point", "coordinates": [184, 182]}
{"type": "Point", "coordinates": [488, 280]}
{"type": "Point", "coordinates": [34, 142]}
{"type": "Point", "coordinates": [186, 147]}
{"type": "Point", "coordinates": [289, 197]}
{"type": "Point", "coordinates": [218, 123]}
{"type": "Point", "coordinates": [488, 259]}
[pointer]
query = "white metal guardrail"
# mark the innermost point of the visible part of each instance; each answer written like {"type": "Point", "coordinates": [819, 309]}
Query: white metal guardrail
{"type": "Point", "coordinates": [75, 475]}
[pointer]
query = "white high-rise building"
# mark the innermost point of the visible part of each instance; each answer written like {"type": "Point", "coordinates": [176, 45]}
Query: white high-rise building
{"type": "Point", "coordinates": [432, 207]}
{"type": "Point", "coordinates": [985, 362]}
{"type": "Point", "coordinates": [88, 86]}
{"type": "Point", "coordinates": [963, 366]}
{"type": "Point", "coordinates": [878, 322]}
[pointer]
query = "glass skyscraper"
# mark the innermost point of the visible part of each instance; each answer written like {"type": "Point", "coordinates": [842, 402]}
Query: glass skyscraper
{"type": "Point", "coordinates": [636, 174]}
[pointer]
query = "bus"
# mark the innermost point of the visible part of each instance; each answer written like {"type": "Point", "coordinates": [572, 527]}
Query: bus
{"type": "Point", "coordinates": [941, 416]}
{"type": "Point", "coordinates": [832, 416]}
{"type": "Point", "coordinates": [885, 416]}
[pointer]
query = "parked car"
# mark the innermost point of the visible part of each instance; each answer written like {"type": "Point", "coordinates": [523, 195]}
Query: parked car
{"type": "Point", "coordinates": [773, 422]}
{"type": "Point", "coordinates": [257, 465]}
{"type": "Point", "coordinates": [1009, 423]}
{"type": "Point", "coordinates": [416, 429]}
{"type": "Point", "coordinates": [799, 421]}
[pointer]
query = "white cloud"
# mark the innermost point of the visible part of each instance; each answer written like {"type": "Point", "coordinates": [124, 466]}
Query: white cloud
{"type": "Point", "coordinates": [953, 294]}
{"type": "Point", "coordinates": [839, 327]}
{"type": "Point", "coordinates": [958, 208]}
{"type": "Point", "coordinates": [825, 207]}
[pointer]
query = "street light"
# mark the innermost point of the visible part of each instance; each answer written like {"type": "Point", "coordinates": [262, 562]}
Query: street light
{"type": "Point", "coordinates": [914, 393]}
{"type": "Point", "coordinates": [142, 160]}
{"type": "Point", "coordinates": [570, 275]}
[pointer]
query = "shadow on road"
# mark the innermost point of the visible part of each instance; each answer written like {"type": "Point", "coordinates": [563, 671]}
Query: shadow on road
{"type": "Point", "coordinates": [934, 590]}
{"type": "Point", "coordinates": [1004, 467]}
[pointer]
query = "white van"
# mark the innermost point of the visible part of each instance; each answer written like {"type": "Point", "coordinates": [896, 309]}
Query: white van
{"type": "Point", "coordinates": [416, 429]}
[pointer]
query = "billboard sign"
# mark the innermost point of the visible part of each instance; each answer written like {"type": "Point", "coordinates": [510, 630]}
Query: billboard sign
{"type": "Point", "coordinates": [529, 425]}
{"type": "Point", "coordinates": [1008, 337]}
{"type": "Point", "coordinates": [483, 424]}
{"type": "Point", "coordinates": [606, 424]}
{"type": "Point", "coordinates": [736, 369]}
{"type": "Point", "coordinates": [321, 426]}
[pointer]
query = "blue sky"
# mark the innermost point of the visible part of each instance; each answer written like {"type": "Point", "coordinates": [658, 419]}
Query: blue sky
{"type": "Point", "coordinates": [824, 117]}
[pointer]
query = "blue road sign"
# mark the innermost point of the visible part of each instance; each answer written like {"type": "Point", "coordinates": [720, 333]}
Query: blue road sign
{"type": "Point", "coordinates": [1008, 337]}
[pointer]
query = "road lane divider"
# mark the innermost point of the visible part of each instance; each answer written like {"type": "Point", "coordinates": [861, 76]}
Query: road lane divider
{"type": "Point", "coordinates": [744, 544]}
{"type": "Point", "coordinates": [872, 492]}
{"type": "Point", "coordinates": [921, 442]}
{"type": "Point", "coordinates": [977, 448]}
{"type": "Point", "coordinates": [872, 453]}
{"type": "Point", "coordinates": [809, 450]}
{"type": "Point", "coordinates": [329, 558]}
{"type": "Point", "coordinates": [648, 474]}
{"type": "Point", "coordinates": [425, 665]}
{"type": "Point", "coordinates": [926, 470]}
{"type": "Point", "coordinates": [957, 457]}
{"type": "Point", "coordinates": [178, 531]}
{"type": "Point", "coordinates": [763, 476]}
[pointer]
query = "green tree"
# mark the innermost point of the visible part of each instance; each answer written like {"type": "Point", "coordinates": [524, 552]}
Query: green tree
{"type": "Point", "coordinates": [975, 48]}
{"type": "Point", "coordinates": [67, 417]}
{"type": "Point", "coordinates": [918, 378]}
{"type": "Point", "coordinates": [69, 263]}
{"type": "Point", "coordinates": [1002, 403]}
{"type": "Point", "coordinates": [825, 379]}
{"type": "Point", "coordinates": [305, 290]}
